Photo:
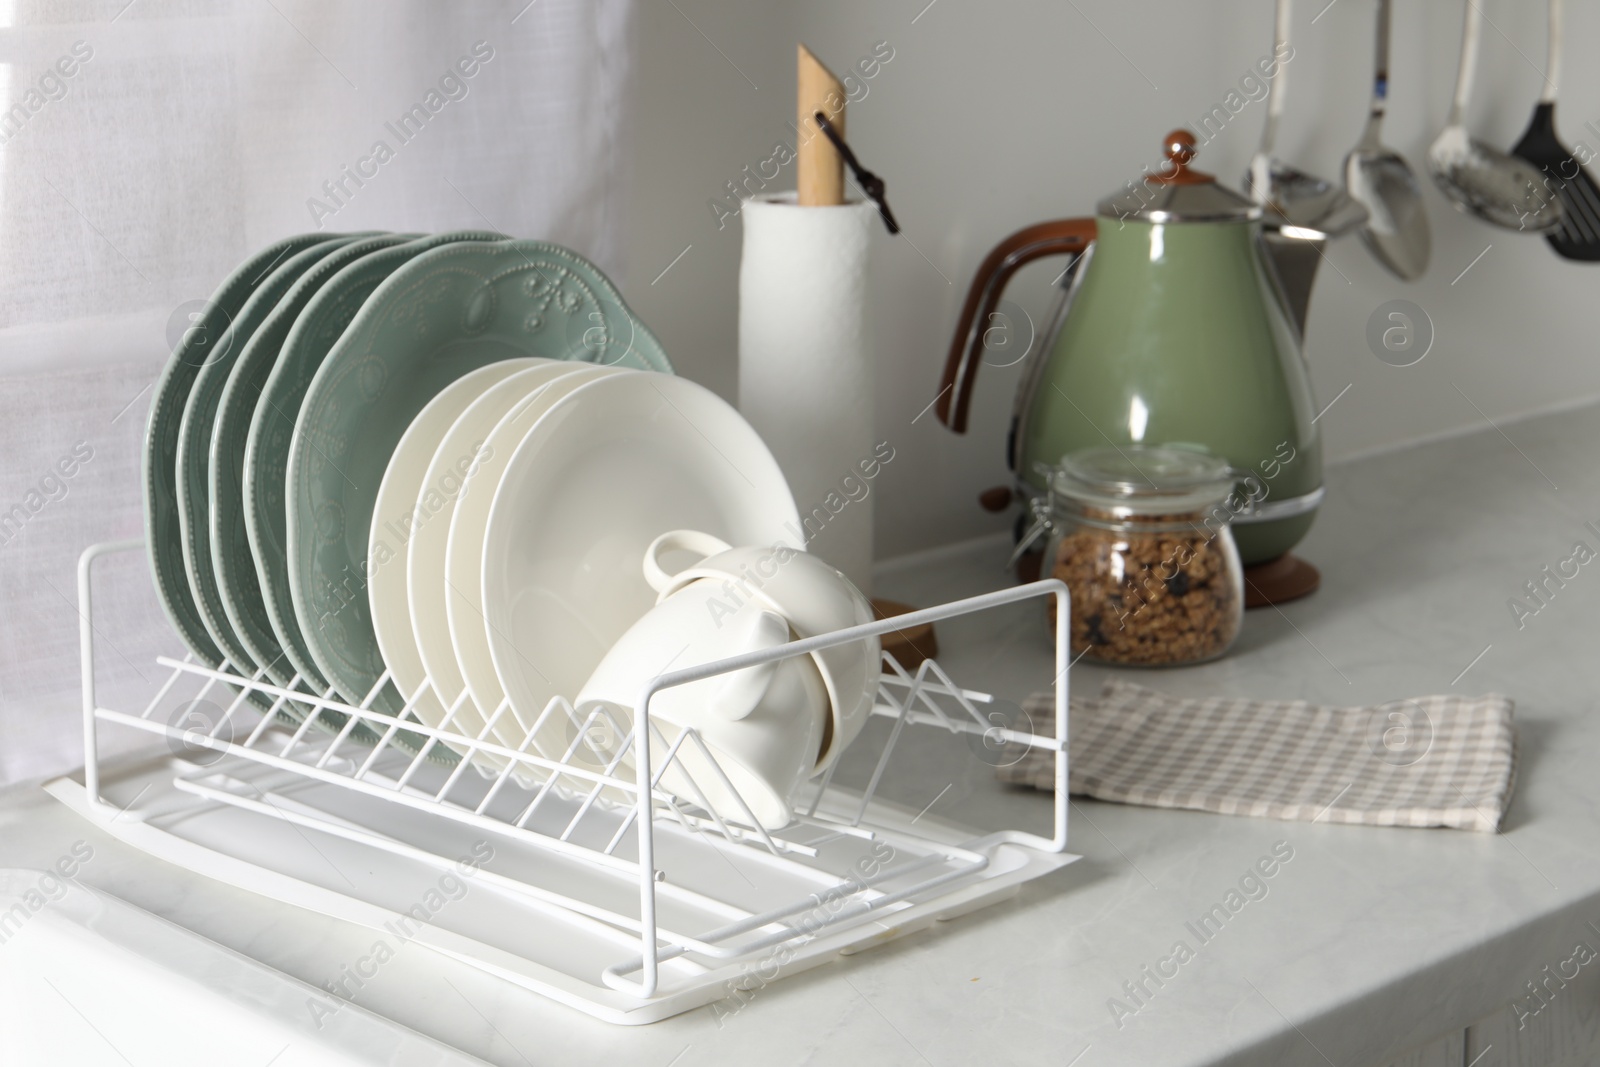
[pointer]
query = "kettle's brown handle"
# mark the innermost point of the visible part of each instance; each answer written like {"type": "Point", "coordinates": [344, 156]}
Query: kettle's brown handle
{"type": "Point", "coordinates": [1026, 245]}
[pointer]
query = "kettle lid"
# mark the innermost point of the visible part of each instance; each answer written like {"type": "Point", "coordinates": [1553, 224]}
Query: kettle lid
{"type": "Point", "coordinates": [1178, 194]}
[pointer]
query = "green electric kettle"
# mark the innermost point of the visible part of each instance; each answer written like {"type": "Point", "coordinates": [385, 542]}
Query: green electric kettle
{"type": "Point", "coordinates": [1180, 324]}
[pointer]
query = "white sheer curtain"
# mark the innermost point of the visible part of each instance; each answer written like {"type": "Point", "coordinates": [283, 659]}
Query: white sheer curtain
{"type": "Point", "coordinates": [145, 149]}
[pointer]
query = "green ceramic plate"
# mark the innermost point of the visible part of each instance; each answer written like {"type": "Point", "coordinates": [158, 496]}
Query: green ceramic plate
{"type": "Point", "coordinates": [231, 559]}
{"type": "Point", "coordinates": [266, 452]}
{"type": "Point", "coordinates": [162, 526]}
{"type": "Point", "coordinates": [194, 432]}
{"type": "Point", "coordinates": [445, 313]}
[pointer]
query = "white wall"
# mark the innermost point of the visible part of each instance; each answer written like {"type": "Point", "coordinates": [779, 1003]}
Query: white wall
{"type": "Point", "coordinates": [997, 114]}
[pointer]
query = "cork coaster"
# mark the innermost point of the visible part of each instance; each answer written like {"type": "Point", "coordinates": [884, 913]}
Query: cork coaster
{"type": "Point", "coordinates": [1279, 581]}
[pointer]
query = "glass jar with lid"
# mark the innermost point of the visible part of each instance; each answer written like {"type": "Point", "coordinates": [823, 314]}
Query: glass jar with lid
{"type": "Point", "coordinates": [1140, 535]}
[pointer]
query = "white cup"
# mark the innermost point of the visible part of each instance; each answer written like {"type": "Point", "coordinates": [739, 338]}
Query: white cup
{"type": "Point", "coordinates": [813, 596]}
{"type": "Point", "coordinates": [761, 727]}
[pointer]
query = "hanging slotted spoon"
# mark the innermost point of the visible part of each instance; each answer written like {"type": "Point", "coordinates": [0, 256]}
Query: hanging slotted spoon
{"type": "Point", "coordinates": [1304, 201]}
{"type": "Point", "coordinates": [1481, 180]}
{"type": "Point", "coordinates": [1578, 236]}
{"type": "Point", "coordinates": [1381, 181]}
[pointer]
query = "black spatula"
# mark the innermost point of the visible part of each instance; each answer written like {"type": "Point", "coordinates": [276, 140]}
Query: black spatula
{"type": "Point", "coordinates": [1578, 235]}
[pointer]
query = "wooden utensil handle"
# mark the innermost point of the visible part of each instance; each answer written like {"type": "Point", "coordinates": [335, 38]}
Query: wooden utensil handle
{"type": "Point", "coordinates": [1055, 238]}
{"type": "Point", "coordinates": [820, 174]}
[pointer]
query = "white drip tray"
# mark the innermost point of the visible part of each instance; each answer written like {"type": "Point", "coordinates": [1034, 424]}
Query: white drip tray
{"type": "Point", "coordinates": [484, 909]}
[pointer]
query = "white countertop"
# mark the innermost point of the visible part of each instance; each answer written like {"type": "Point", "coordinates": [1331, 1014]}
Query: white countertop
{"type": "Point", "coordinates": [1369, 941]}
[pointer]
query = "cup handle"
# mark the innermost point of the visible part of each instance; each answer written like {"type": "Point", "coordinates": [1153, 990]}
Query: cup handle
{"type": "Point", "coordinates": [682, 540]}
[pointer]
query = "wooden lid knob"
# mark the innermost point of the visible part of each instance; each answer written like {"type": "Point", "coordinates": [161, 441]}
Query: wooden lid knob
{"type": "Point", "coordinates": [996, 499]}
{"type": "Point", "coordinates": [1180, 148]}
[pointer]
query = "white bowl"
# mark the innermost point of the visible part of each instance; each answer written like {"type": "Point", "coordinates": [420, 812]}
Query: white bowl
{"type": "Point", "coordinates": [813, 596]}
{"type": "Point", "coordinates": [762, 726]}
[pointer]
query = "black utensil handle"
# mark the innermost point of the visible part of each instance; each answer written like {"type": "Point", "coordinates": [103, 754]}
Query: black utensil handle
{"type": "Point", "coordinates": [875, 187]}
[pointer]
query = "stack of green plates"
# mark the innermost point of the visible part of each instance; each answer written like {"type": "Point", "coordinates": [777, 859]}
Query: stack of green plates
{"type": "Point", "coordinates": [274, 421]}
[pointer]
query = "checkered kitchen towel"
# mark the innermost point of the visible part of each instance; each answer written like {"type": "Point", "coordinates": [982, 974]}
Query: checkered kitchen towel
{"type": "Point", "coordinates": [1432, 761]}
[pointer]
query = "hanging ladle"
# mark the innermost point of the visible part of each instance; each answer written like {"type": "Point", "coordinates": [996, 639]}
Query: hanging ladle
{"type": "Point", "coordinates": [1578, 236]}
{"type": "Point", "coordinates": [1381, 181]}
{"type": "Point", "coordinates": [1481, 180]}
{"type": "Point", "coordinates": [1304, 201]}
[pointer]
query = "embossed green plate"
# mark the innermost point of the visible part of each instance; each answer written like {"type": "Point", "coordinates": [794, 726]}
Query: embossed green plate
{"type": "Point", "coordinates": [194, 451]}
{"type": "Point", "coordinates": [231, 559]}
{"type": "Point", "coordinates": [447, 312]}
{"type": "Point", "coordinates": [199, 344]}
{"type": "Point", "coordinates": [266, 453]}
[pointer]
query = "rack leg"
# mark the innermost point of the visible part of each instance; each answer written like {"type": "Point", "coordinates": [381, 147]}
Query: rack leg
{"type": "Point", "coordinates": [649, 946]}
{"type": "Point", "coordinates": [91, 748]}
{"type": "Point", "coordinates": [1063, 664]}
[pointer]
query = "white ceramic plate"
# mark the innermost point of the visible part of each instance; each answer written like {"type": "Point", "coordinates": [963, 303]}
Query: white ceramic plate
{"type": "Point", "coordinates": [590, 485]}
{"type": "Point", "coordinates": [470, 436]}
{"type": "Point", "coordinates": [407, 502]}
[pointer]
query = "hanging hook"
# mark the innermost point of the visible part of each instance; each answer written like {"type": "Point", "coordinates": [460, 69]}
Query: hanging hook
{"type": "Point", "coordinates": [870, 183]}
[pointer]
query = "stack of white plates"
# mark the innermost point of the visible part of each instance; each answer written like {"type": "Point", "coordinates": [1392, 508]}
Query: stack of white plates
{"type": "Point", "coordinates": [513, 519]}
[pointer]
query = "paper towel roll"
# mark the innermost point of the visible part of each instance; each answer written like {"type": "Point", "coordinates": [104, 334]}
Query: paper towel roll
{"type": "Point", "coordinates": [806, 368]}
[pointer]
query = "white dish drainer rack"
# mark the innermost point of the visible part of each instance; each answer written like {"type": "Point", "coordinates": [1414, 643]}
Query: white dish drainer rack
{"type": "Point", "coordinates": [589, 883]}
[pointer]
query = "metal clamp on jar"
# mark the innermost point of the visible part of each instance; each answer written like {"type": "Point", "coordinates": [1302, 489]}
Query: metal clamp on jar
{"type": "Point", "coordinates": [1142, 538]}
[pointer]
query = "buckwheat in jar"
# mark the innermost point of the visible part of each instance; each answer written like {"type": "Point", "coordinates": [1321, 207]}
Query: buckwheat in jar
{"type": "Point", "coordinates": [1140, 536]}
